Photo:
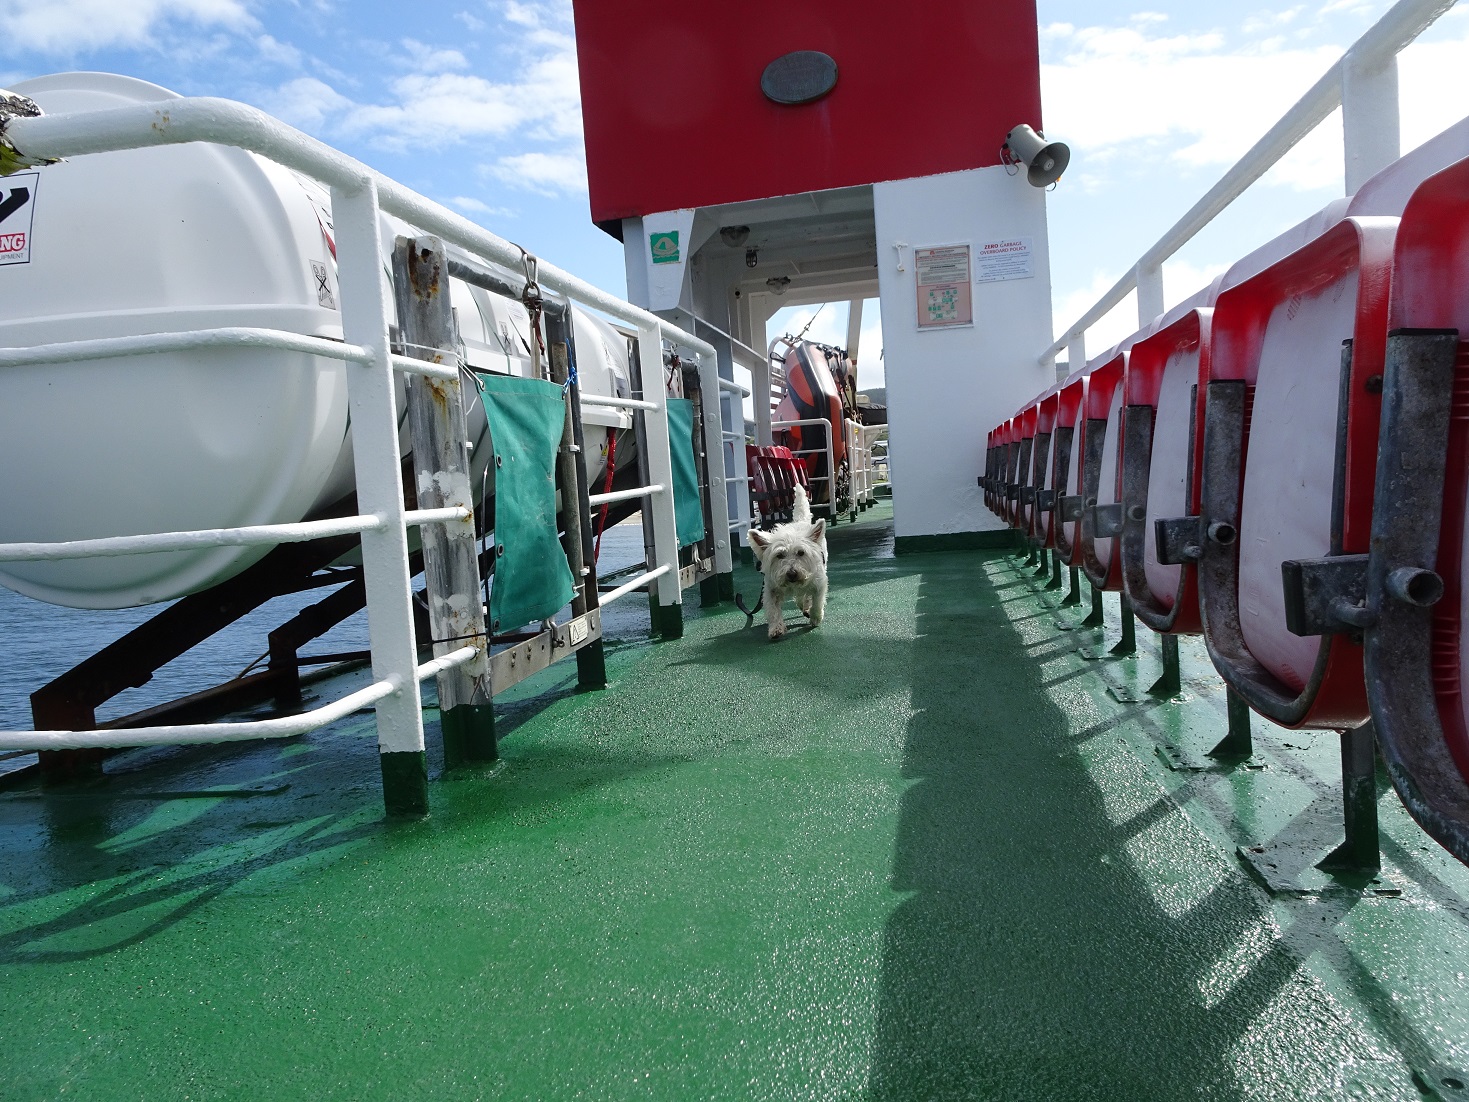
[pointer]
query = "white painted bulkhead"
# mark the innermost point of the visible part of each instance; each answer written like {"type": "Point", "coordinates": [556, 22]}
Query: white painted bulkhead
{"type": "Point", "coordinates": [946, 387]}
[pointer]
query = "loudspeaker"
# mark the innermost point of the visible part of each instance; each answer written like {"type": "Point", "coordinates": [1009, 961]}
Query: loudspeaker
{"type": "Point", "coordinates": [1046, 160]}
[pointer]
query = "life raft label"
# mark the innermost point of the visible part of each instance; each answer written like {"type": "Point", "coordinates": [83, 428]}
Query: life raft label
{"type": "Point", "coordinates": [17, 208]}
{"type": "Point", "coordinates": [664, 247]}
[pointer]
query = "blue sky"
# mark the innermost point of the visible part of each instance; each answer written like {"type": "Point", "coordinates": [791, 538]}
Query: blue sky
{"type": "Point", "coordinates": [475, 104]}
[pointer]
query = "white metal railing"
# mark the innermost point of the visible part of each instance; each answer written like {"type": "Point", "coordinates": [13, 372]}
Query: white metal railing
{"type": "Point", "coordinates": [859, 452]}
{"type": "Point", "coordinates": [359, 196]}
{"type": "Point", "coordinates": [1363, 83]}
{"type": "Point", "coordinates": [732, 403]}
{"type": "Point", "coordinates": [826, 449]}
{"type": "Point", "coordinates": [640, 582]}
{"type": "Point", "coordinates": [624, 495]}
{"type": "Point", "coordinates": [616, 403]}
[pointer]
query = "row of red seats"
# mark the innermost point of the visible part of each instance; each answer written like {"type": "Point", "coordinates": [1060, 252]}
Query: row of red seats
{"type": "Point", "coordinates": [1282, 464]}
{"type": "Point", "coordinates": [774, 475]}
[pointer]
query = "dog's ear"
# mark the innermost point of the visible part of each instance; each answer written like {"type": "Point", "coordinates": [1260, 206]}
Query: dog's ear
{"type": "Point", "coordinates": [759, 541]}
{"type": "Point", "coordinates": [818, 530]}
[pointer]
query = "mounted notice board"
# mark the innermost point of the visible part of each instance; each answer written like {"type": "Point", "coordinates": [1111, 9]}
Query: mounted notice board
{"type": "Point", "coordinates": [945, 297]}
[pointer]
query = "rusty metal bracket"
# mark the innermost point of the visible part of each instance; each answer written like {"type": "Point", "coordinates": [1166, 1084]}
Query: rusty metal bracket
{"type": "Point", "coordinates": [1325, 596]}
{"type": "Point", "coordinates": [1412, 464]}
{"type": "Point", "coordinates": [1107, 520]}
{"type": "Point", "coordinates": [1045, 500]}
{"type": "Point", "coordinates": [1178, 539]}
{"type": "Point", "coordinates": [1072, 507]}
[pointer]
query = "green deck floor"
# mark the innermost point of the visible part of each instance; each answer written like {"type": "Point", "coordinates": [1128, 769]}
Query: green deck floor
{"type": "Point", "coordinates": [920, 853]}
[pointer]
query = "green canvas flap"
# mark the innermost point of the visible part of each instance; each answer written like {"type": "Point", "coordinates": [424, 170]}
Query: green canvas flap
{"type": "Point", "coordinates": [532, 580]}
{"type": "Point", "coordinates": [688, 507]}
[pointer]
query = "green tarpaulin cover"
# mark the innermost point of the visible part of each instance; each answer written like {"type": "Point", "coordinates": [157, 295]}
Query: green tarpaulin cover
{"type": "Point", "coordinates": [532, 580]}
{"type": "Point", "coordinates": [688, 509]}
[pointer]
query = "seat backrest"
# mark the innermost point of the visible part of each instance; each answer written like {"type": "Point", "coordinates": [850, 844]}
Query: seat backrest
{"type": "Point", "coordinates": [1278, 341]}
{"type": "Point", "coordinates": [1387, 193]}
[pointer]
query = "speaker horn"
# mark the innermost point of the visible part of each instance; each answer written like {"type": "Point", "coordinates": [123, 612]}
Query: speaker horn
{"type": "Point", "coordinates": [1046, 160]}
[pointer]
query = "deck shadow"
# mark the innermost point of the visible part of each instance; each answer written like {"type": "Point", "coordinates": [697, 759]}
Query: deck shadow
{"type": "Point", "coordinates": [1044, 952]}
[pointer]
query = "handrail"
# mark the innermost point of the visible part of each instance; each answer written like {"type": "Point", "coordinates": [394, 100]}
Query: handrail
{"type": "Point", "coordinates": [190, 734]}
{"type": "Point", "coordinates": [252, 536]}
{"type": "Point", "coordinates": [1367, 57]}
{"type": "Point", "coordinates": [830, 478]}
{"type": "Point", "coordinates": [360, 196]}
{"type": "Point", "coordinates": [637, 583]}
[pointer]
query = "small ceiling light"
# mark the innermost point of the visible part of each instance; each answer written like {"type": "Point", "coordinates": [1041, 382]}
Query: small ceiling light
{"type": "Point", "coordinates": [778, 284]}
{"type": "Point", "coordinates": [735, 236]}
{"type": "Point", "coordinates": [1045, 159]}
{"type": "Point", "coordinates": [752, 258]}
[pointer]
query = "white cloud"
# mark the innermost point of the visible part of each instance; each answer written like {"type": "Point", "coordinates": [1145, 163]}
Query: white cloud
{"type": "Point", "coordinates": [280, 53]}
{"type": "Point", "coordinates": [68, 27]}
{"type": "Point", "coordinates": [534, 99]}
{"type": "Point", "coordinates": [1122, 91]}
{"type": "Point", "coordinates": [546, 173]}
{"type": "Point", "coordinates": [430, 59]}
{"type": "Point", "coordinates": [472, 205]}
{"type": "Point", "coordinates": [1270, 20]}
{"type": "Point", "coordinates": [306, 103]}
{"type": "Point", "coordinates": [473, 22]}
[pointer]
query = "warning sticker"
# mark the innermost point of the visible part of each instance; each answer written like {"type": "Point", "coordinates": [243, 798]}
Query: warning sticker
{"type": "Point", "coordinates": [322, 276]}
{"type": "Point", "coordinates": [17, 206]}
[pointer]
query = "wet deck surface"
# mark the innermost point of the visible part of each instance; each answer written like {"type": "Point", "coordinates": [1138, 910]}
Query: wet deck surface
{"type": "Point", "coordinates": [920, 853]}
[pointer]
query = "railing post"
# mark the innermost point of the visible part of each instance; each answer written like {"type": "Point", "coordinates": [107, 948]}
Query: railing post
{"type": "Point", "coordinates": [1076, 351]}
{"type": "Point", "coordinates": [576, 511]}
{"type": "Point", "coordinates": [1370, 120]}
{"type": "Point", "coordinates": [711, 407]}
{"type": "Point", "coordinates": [440, 437]}
{"type": "Point", "coordinates": [1149, 293]}
{"type": "Point", "coordinates": [760, 396]}
{"type": "Point", "coordinates": [366, 309]}
{"type": "Point", "coordinates": [655, 460]}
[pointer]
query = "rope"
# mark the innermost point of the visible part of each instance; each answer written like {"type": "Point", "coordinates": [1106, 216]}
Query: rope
{"type": "Point", "coordinates": [812, 322]}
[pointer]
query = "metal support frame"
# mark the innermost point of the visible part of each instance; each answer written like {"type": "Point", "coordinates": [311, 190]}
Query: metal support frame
{"type": "Point", "coordinates": [1236, 749]}
{"type": "Point", "coordinates": [700, 381]}
{"type": "Point", "coordinates": [440, 438]}
{"type": "Point", "coordinates": [1073, 595]}
{"type": "Point", "coordinates": [660, 530]}
{"type": "Point", "coordinates": [1170, 681]}
{"type": "Point", "coordinates": [573, 481]}
{"type": "Point", "coordinates": [1127, 644]}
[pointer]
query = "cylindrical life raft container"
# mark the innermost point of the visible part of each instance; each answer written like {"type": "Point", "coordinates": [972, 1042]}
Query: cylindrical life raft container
{"type": "Point", "coordinates": [181, 238]}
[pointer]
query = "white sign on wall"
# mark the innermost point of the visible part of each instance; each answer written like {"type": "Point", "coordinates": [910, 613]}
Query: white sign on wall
{"type": "Point", "coordinates": [1010, 258]}
{"type": "Point", "coordinates": [944, 295]}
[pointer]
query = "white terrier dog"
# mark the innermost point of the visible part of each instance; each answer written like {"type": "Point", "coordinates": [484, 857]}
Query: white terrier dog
{"type": "Point", "coordinates": [793, 560]}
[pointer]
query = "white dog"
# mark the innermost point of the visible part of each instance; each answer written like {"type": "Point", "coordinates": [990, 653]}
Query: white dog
{"type": "Point", "coordinates": [793, 560]}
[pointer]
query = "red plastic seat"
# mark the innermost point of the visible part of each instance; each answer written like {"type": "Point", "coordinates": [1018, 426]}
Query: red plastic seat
{"type": "Point", "coordinates": [1290, 448]}
{"type": "Point", "coordinates": [1164, 391]}
{"type": "Point", "coordinates": [1101, 474]}
{"type": "Point", "coordinates": [774, 474]}
{"type": "Point", "coordinates": [1417, 651]}
{"type": "Point", "coordinates": [1068, 440]}
{"type": "Point", "coordinates": [1024, 467]}
{"type": "Point", "coordinates": [1040, 502]}
{"type": "Point", "coordinates": [1010, 459]}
